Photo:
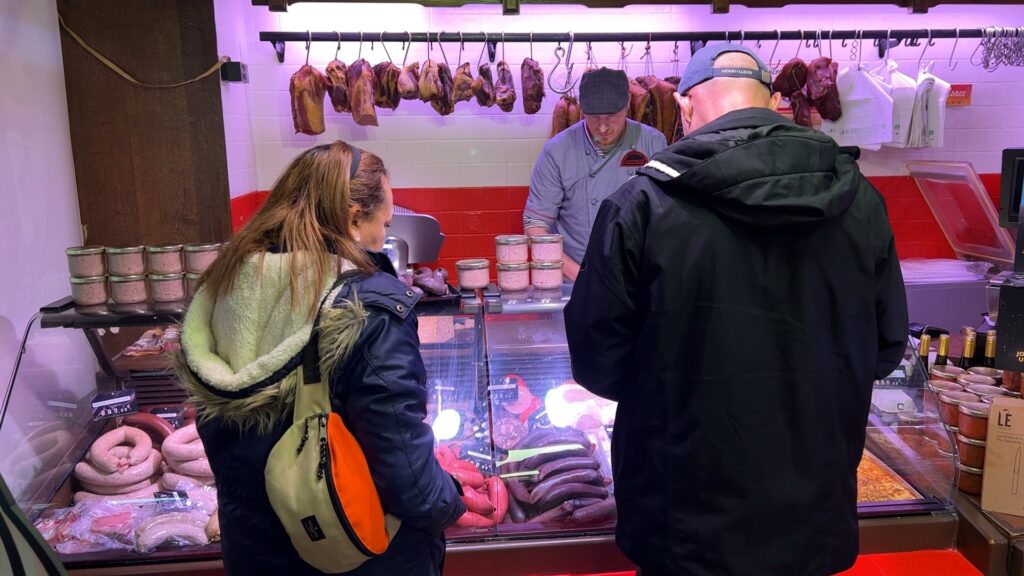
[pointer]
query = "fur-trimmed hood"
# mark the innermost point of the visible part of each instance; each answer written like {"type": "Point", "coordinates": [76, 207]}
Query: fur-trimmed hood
{"type": "Point", "coordinates": [240, 352]}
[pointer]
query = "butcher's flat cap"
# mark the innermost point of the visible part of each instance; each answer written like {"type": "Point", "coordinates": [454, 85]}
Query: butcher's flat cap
{"type": "Point", "coordinates": [604, 91]}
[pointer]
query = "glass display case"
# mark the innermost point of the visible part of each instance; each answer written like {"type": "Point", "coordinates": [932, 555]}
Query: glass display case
{"type": "Point", "coordinates": [529, 445]}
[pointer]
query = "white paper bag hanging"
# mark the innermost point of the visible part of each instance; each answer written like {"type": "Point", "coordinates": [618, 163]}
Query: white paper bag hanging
{"type": "Point", "coordinates": [867, 111]}
{"type": "Point", "coordinates": [902, 89]}
{"type": "Point", "coordinates": [936, 107]}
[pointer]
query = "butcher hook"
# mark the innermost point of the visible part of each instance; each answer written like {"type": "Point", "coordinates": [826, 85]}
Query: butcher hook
{"type": "Point", "coordinates": [384, 46]}
{"type": "Point", "coordinates": [482, 49]}
{"type": "Point", "coordinates": [309, 43]}
{"type": "Point", "coordinates": [952, 65]}
{"type": "Point", "coordinates": [775, 66]}
{"type": "Point", "coordinates": [925, 49]}
{"type": "Point", "coordinates": [570, 84]}
{"type": "Point", "coordinates": [407, 45]}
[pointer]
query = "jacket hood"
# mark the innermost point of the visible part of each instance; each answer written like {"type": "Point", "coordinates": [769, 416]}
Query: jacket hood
{"type": "Point", "coordinates": [757, 168]}
{"type": "Point", "coordinates": [239, 353]}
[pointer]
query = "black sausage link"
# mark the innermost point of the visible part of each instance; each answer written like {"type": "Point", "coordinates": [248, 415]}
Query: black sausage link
{"type": "Point", "coordinates": [518, 491]}
{"type": "Point", "coordinates": [598, 512]}
{"type": "Point", "coordinates": [556, 513]}
{"type": "Point", "coordinates": [580, 476]}
{"type": "Point", "coordinates": [577, 503]}
{"type": "Point", "coordinates": [565, 492]}
{"type": "Point", "coordinates": [533, 462]}
{"type": "Point", "coordinates": [566, 464]}
{"type": "Point", "coordinates": [515, 511]}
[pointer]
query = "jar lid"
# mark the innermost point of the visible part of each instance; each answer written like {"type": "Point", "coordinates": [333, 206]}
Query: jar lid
{"type": "Point", "coordinates": [546, 265]}
{"type": "Point", "coordinates": [945, 386]}
{"type": "Point", "coordinates": [971, 441]}
{"type": "Point", "coordinates": [193, 275]}
{"type": "Point", "coordinates": [1011, 393]}
{"type": "Point", "coordinates": [967, 379]}
{"type": "Point", "coordinates": [201, 247]}
{"type": "Point", "coordinates": [473, 264]}
{"type": "Point", "coordinates": [162, 277]}
{"type": "Point", "coordinates": [986, 390]}
{"type": "Point", "coordinates": [911, 418]}
{"type": "Point", "coordinates": [125, 250]}
{"type": "Point", "coordinates": [131, 278]}
{"type": "Point", "coordinates": [511, 239]}
{"type": "Point", "coordinates": [947, 371]}
{"type": "Point", "coordinates": [546, 239]}
{"type": "Point", "coordinates": [970, 469]}
{"type": "Point", "coordinates": [976, 409]}
{"type": "Point", "coordinates": [84, 250]}
{"type": "Point", "coordinates": [954, 397]}
{"type": "Point", "coordinates": [513, 267]}
{"type": "Point", "coordinates": [164, 248]}
{"type": "Point", "coordinates": [88, 279]}
{"type": "Point", "coordinates": [986, 371]}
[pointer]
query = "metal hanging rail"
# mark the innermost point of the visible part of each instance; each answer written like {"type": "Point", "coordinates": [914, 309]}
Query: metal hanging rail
{"type": "Point", "coordinates": [880, 37]}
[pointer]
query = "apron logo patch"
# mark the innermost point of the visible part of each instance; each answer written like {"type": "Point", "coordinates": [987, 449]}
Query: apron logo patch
{"type": "Point", "coordinates": [633, 159]}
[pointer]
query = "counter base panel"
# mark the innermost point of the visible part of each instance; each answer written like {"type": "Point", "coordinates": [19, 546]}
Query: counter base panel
{"type": "Point", "coordinates": [979, 540]}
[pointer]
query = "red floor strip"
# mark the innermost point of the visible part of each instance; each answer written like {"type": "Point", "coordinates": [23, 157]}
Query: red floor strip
{"type": "Point", "coordinates": [925, 563]}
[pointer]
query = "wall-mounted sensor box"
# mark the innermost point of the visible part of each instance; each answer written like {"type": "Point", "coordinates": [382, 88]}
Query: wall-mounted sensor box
{"type": "Point", "coordinates": [232, 71]}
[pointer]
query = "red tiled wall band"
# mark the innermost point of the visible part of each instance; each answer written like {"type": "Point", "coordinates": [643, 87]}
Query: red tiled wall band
{"type": "Point", "coordinates": [471, 217]}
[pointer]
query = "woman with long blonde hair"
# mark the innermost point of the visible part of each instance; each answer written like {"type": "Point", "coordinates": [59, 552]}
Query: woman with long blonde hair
{"type": "Point", "coordinates": [246, 329]}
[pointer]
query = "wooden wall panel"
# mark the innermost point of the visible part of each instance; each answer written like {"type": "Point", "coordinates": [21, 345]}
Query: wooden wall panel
{"type": "Point", "coordinates": [150, 163]}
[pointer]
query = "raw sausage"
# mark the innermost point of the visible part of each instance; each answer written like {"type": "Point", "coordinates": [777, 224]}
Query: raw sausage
{"type": "Point", "coordinates": [86, 472]}
{"type": "Point", "coordinates": [499, 498]}
{"type": "Point", "coordinates": [184, 444]}
{"type": "Point", "coordinates": [146, 492]}
{"type": "Point", "coordinates": [474, 520]}
{"type": "Point", "coordinates": [158, 428]}
{"type": "Point", "coordinates": [518, 490]}
{"type": "Point", "coordinates": [581, 476]}
{"type": "Point", "coordinates": [515, 511]}
{"type": "Point", "coordinates": [171, 480]}
{"type": "Point", "coordinates": [156, 535]}
{"type": "Point", "coordinates": [213, 527]}
{"type": "Point", "coordinates": [477, 502]}
{"type": "Point", "coordinates": [108, 490]}
{"type": "Point", "coordinates": [533, 462]}
{"type": "Point", "coordinates": [602, 510]}
{"type": "Point", "coordinates": [200, 467]}
{"type": "Point", "coordinates": [140, 442]}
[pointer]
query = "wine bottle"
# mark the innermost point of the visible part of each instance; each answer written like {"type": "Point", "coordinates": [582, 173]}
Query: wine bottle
{"type": "Point", "coordinates": [967, 356]}
{"type": "Point", "coordinates": [990, 350]}
{"type": "Point", "coordinates": [942, 358]}
{"type": "Point", "coordinates": [922, 351]}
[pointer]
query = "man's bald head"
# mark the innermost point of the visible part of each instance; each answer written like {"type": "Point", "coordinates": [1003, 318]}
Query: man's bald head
{"type": "Point", "coordinates": [713, 98]}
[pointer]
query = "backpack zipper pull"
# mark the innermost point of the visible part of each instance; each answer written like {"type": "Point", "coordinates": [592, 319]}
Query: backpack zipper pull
{"type": "Point", "coordinates": [321, 469]}
{"type": "Point", "coordinates": [305, 436]}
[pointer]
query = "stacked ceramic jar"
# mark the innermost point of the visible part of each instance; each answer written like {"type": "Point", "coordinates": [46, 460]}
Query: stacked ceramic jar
{"type": "Point", "coordinates": [529, 260]}
{"type": "Point", "coordinates": [134, 274]}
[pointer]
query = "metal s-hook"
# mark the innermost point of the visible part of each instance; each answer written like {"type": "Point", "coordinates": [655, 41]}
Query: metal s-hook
{"type": "Point", "coordinates": [799, 45]}
{"type": "Point", "coordinates": [482, 50]}
{"type": "Point", "coordinates": [384, 46]}
{"type": "Point", "coordinates": [830, 33]}
{"type": "Point", "coordinates": [360, 56]}
{"type": "Point", "coordinates": [531, 46]}
{"type": "Point", "coordinates": [309, 44]}
{"type": "Point", "coordinates": [817, 41]}
{"type": "Point", "coordinates": [569, 85]}
{"type": "Point", "coordinates": [953, 65]}
{"type": "Point", "coordinates": [775, 66]}
{"type": "Point", "coordinates": [743, 37]}
{"type": "Point", "coordinates": [925, 49]}
{"type": "Point", "coordinates": [503, 48]}
{"type": "Point", "coordinates": [338, 47]}
{"type": "Point", "coordinates": [441, 46]}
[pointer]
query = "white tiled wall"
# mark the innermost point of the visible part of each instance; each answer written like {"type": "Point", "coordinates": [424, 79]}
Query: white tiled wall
{"type": "Point", "coordinates": [480, 147]}
{"type": "Point", "coordinates": [234, 22]}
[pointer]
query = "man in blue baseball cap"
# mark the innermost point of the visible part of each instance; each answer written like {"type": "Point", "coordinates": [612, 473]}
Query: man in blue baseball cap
{"type": "Point", "coordinates": [738, 297]}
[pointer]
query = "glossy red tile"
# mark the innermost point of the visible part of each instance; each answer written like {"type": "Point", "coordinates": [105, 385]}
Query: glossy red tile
{"type": "Point", "coordinates": [865, 566]}
{"type": "Point", "coordinates": [931, 562]}
{"type": "Point", "coordinates": [452, 223]}
{"type": "Point", "coordinates": [474, 223]}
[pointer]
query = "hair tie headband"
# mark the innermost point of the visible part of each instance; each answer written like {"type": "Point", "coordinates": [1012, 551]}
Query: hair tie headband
{"type": "Point", "coordinates": [357, 155]}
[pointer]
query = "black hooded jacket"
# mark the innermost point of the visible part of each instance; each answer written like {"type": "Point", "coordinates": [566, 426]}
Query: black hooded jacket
{"type": "Point", "coordinates": [737, 298]}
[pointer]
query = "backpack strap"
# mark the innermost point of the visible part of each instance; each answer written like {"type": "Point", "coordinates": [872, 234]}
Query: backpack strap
{"type": "Point", "coordinates": [308, 400]}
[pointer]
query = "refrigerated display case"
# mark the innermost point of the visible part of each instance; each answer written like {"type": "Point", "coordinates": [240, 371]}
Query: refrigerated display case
{"type": "Point", "coordinates": [507, 416]}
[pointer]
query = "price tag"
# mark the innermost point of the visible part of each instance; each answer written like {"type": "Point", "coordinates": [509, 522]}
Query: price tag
{"type": "Point", "coordinates": [113, 404]}
{"type": "Point", "coordinates": [507, 390]}
{"type": "Point", "coordinates": [959, 95]}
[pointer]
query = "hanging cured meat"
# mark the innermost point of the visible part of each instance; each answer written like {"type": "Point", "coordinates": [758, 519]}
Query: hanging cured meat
{"type": "Point", "coordinates": [385, 89]}
{"type": "Point", "coordinates": [533, 85]}
{"type": "Point", "coordinates": [652, 111]}
{"type": "Point", "coordinates": [566, 113]}
{"type": "Point", "coordinates": [801, 109]}
{"type": "Point", "coordinates": [443, 104]}
{"type": "Point", "coordinates": [505, 89]}
{"type": "Point", "coordinates": [822, 90]}
{"type": "Point", "coordinates": [360, 92]}
{"type": "Point", "coordinates": [337, 86]}
{"type": "Point", "coordinates": [792, 77]}
{"type": "Point", "coordinates": [638, 99]}
{"type": "Point", "coordinates": [430, 83]}
{"type": "Point", "coordinates": [483, 86]}
{"type": "Point", "coordinates": [462, 85]}
{"type": "Point", "coordinates": [662, 92]}
{"type": "Point", "coordinates": [409, 82]}
{"type": "Point", "coordinates": [308, 88]}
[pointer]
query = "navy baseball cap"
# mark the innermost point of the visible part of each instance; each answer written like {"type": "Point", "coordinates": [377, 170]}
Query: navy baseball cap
{"type": "Point", "coordinates": [702, 67]}
{"type": "Point", "coordinates": [604, 91]}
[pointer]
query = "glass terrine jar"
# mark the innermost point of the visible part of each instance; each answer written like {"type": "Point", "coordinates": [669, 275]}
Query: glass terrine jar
{"type": "Point", "coordinates": [128, 261]}
{"type": "Point", "coordinates": [973, 420]}
{"type": "Point", "coordinates": [192, 283]}
{"type": "Point", "coordinates": [164, 259]}
{"type": "Point", "coordinates": [512, 249]}
{"type": "Point", "coordinates": [546, 248]}
{"type": "Point", "coordinates": [474, 274]}
{"type": "Point", "coordinates": [89, 291]}
{"type": "Point", "coordinates": [129, 289]}
{"type": "Point", "coordinates": [513, 277]}
{"type": "Point", "coordinates": [199, 257]}
{"type": "Point", "coordinates": [546, 275]}
{"type": "Point", "coordinates": [85, 261]}
{"type": "Point", "coordinates": [167, 287]}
